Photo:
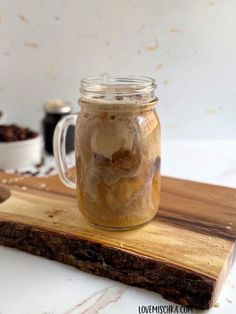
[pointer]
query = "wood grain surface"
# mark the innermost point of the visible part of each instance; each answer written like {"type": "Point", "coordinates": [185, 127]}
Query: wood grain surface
{"type": "Point", "coordinates": [185, 253]}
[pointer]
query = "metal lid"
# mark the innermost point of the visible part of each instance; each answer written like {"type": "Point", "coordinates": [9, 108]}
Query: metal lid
{"type": "Point", "coordinates": [57, 106]}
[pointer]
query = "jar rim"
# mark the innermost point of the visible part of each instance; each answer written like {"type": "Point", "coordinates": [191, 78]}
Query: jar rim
{"type": "Point", "coordinates": [136, 83]}
{"type": "Point", "coordinates": [131, 88]}
{"type": "Point", "coordinates": [145, 81]}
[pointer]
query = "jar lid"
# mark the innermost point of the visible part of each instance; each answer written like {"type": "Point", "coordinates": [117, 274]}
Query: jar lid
{"type": "Point", "coordinates": [57, 106]}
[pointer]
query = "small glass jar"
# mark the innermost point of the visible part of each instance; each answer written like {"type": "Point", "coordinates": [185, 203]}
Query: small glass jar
{"type": "Point", "coordinates": [55, 110]}
{"type": "Point", "coordinates": [117, 142]}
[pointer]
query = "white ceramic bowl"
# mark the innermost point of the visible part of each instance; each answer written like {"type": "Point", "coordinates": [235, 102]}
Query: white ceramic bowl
{"type": "Point", "coordinates": [19, 154]}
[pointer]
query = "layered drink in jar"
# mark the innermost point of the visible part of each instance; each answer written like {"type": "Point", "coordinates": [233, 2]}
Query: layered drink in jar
{"type": "Point", "coordinates": [118, 152]}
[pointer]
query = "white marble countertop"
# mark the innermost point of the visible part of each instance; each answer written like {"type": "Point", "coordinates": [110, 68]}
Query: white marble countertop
{"type": "Point", "coordinates": [34, 285]}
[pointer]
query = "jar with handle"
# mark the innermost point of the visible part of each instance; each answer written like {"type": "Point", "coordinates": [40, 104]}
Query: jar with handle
{"type": "Point", "coordinates": [117, 147]}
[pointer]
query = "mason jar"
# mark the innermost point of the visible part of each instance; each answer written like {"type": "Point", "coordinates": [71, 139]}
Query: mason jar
{"type": "Point", "coordinates": [117, 144]}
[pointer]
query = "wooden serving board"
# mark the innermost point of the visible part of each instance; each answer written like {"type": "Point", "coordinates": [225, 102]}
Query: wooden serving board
{"type": "Point", "coordinates": [184, 254]}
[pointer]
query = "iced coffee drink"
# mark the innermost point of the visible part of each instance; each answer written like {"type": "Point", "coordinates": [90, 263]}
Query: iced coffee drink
{"type": "Point", "coordinates": [118, 152]}
{"type": "Point", "coordinates": [118, 163]}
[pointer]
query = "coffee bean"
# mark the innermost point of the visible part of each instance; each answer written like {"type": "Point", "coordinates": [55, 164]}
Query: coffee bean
{"type": "Point", "coordinates": [13, 133]}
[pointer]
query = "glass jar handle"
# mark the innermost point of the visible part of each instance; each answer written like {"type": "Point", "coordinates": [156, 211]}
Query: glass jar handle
{"type": "Point", "coordinates": [59, 147]}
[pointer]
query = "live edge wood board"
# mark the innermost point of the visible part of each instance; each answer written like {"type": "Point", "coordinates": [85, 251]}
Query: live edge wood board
{"type": "Point", "coordinates": [184, 254]}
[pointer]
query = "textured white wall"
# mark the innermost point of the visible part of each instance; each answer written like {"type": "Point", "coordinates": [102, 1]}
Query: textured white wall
{"type": "Point", "coordinates": [189, 46]}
